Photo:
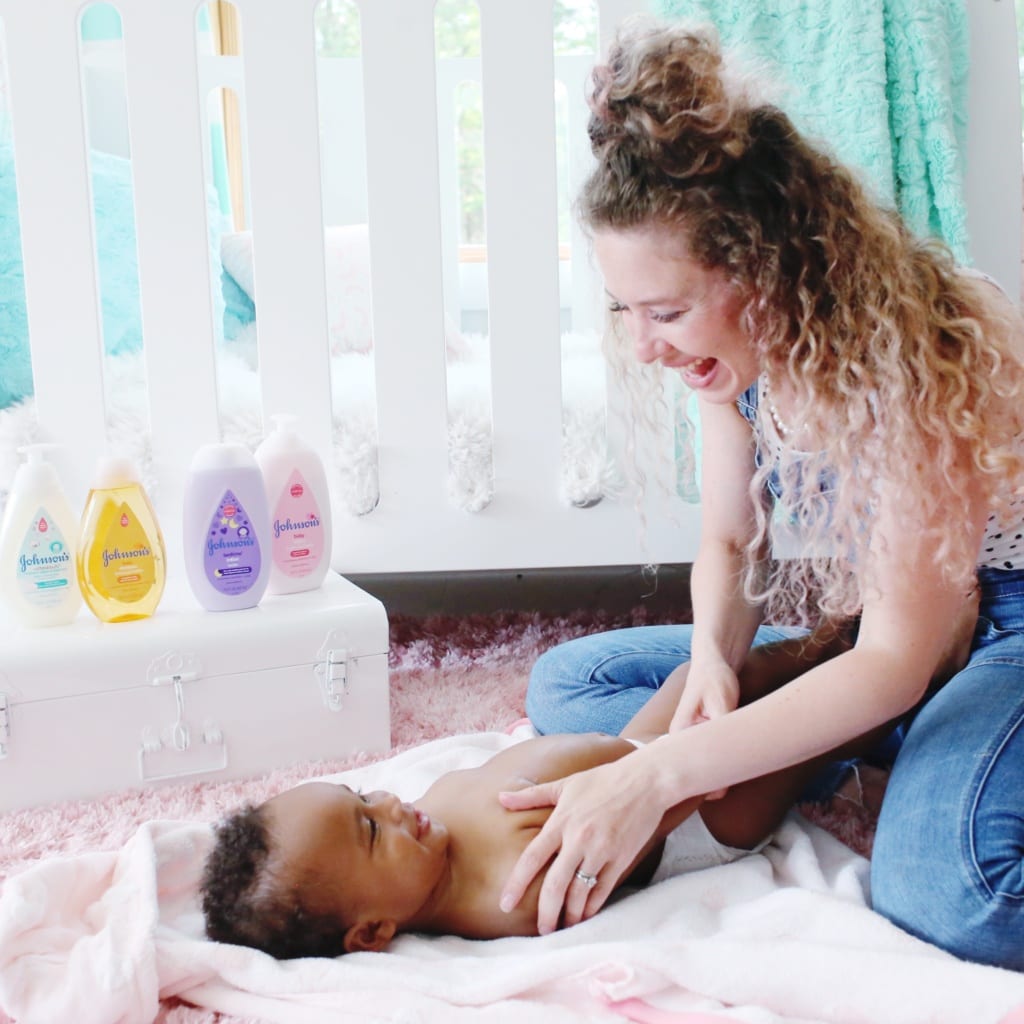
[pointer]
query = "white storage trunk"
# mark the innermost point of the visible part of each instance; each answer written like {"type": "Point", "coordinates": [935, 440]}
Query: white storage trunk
{"type": "Point", "coordinates": [92, 708]}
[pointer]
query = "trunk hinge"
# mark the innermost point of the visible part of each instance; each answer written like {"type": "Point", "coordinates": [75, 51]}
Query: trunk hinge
{"type": "Point", "coordinates": [332, 673]}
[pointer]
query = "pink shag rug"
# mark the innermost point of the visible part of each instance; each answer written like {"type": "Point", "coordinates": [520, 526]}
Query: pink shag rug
{"type": "Point", "coordinates": [448, 676]}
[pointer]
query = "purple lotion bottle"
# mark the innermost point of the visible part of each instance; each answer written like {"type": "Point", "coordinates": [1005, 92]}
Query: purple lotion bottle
{"type": "Point", "coordinates": [226, 528]}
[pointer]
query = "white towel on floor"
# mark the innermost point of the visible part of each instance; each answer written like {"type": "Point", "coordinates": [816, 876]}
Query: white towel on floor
{"type": "Point", "coordinates": [780, 937]}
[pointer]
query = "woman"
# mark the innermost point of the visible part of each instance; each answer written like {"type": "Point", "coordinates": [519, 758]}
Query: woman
{"type": "Point", "coordinates": [875, 391]}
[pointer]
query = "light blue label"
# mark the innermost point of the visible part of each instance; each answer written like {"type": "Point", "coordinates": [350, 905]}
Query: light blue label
{"type": "Point", "coordinates": [45, 567]}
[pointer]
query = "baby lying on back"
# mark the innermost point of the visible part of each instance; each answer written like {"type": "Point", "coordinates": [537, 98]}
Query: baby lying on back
{"type": "Point", "coordinates": [321, 869]}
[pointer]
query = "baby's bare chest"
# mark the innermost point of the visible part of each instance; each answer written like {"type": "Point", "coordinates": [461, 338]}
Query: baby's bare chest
{"type": "Point", "coordinates": [487, 841]}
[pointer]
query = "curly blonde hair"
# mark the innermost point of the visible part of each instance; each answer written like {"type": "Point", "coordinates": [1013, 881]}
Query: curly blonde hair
{"type": "Point", "coordinates": [869, 329]}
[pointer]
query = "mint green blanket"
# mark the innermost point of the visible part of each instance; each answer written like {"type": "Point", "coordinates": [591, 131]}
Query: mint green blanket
{"type": "Point", "coordinates": [882, 82]}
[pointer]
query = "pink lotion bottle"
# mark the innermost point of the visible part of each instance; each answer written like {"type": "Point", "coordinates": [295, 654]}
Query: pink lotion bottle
{"type": "Point", "coordinates": [300, 509]}
{"type": "Point", "coordinates": [226, 528]}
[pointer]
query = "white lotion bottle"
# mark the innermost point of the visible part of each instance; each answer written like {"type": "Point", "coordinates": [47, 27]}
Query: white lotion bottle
{"type": "Point", "coordinates": [38, 579]}
{"type": "Point", "coordinates": [226, 529]}
{"type": "Point", "coordinates": [300, 509]}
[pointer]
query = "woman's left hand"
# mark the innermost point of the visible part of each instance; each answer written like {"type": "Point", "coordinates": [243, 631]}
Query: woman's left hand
{"type": "Point", "coordinates": [602, 819]}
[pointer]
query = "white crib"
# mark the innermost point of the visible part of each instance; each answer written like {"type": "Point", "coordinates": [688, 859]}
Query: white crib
{"type": "Point", "coordinates": [414, 527]}
{"type": "Point", "coordinates": [86, 709]}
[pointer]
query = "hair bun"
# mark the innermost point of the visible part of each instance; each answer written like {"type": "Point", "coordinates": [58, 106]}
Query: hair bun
{"type": "Point", "coordinates": [662, 93]}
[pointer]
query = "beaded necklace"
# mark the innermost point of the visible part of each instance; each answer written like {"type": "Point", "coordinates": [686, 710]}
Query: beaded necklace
{"type": "Point", "coordinates": [780, 425]}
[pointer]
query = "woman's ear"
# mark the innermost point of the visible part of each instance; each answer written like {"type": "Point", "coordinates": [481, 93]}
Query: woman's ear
{"type": "Point", "coordinates": [369, 936]}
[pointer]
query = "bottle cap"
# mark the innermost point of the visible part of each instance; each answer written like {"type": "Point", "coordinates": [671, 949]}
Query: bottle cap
{"type": "Point", "coordinates": [114, 471]}
{"type": "Point", "coordinates": [284, 422]}
{"type": "Point", "coordinates": [222, 455]}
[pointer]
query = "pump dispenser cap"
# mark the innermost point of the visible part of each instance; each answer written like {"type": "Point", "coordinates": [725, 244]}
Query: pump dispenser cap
{"type": "Point", "coordinates": [36, 472]}
{"type": "Point", "coordinates": [115, 471]}
{"type": "Point", "coordinates": [283, 440]}
{"type": "Point", "coordinates": [35, 454]}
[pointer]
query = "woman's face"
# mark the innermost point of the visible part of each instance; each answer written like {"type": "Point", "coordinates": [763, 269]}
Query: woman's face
{"type": "Point", "coordinates": [367, 857]}
{"type": "Point", "coordinates": [677, 312]}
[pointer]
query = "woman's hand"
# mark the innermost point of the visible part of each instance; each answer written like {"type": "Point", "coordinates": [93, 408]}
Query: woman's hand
{"type": "Point", "coordinates": [710, 692]}
{"type": "Point", "coordinates": [602, 820]}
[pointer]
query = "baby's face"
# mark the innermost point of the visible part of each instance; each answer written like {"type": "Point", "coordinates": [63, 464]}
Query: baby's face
{"type": "Point", "coordinates": [362, 856]}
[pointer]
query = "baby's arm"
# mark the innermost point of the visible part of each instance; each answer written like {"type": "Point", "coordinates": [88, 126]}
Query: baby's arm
{"type": "Point", "coordinates": [545, 758]}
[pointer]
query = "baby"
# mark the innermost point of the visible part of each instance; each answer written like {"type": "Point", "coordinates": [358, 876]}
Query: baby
{"type": "Point", "coordinates": [322, 869]}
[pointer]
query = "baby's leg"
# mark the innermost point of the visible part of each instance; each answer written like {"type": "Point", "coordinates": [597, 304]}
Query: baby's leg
{"type": "Point", "coordinates": [597, 683]}
{"type": "Point", "coordinates": [752, 810]}
{"type": "Point", "coordinates": [766, 669]}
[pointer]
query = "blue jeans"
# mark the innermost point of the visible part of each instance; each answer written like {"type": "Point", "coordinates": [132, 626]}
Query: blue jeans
{"type": "Point", "coordinates": [598, 683]}
{"type": "Point", "coordinates": [948, 858]}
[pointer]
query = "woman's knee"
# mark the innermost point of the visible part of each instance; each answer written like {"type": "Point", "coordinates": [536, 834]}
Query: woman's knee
{"type": "Point", "coordinates": [947, 863]}
{"type": "Point", "coordinates": [597, 683]}
{"type": "Point", "coordinates": [551, 689]}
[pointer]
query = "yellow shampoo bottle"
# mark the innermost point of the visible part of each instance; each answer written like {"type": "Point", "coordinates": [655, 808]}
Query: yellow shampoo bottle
{"type": "Point", "coordinates": [122, 563]}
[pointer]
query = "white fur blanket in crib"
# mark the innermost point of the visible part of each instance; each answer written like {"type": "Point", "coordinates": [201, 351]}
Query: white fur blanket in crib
{"type": "Point", "coordinates": [782, 936]}
{"type": "Point", "coordinates": [588, 469]}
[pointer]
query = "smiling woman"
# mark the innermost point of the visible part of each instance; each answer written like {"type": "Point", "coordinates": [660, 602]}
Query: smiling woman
{"type": "Point", "coordinates": [678, 312]}
{"type": "Point", "coordinates": [857, 383]}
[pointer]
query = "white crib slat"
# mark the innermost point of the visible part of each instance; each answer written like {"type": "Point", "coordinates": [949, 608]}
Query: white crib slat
{"type": "Point", "coordinates": [587, 306]}
{"type": "Point", "coordinates": [279, 55]}
{"type": "Point", "coordinates": [405, 263]}
{"type": "Point", "coordinates": [56, 228]}
{"type": "Point", "coordinates": [342, 139]}
{"type": "Point", "coordinates": [522, 248]}
{"type": "Point", "coordinates": [449, 75]}
{"type": "Point", "coordinates": [174, 266]}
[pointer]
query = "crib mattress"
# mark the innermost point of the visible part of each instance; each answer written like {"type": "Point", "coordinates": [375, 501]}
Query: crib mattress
{"type": "Point", "coordinates": [92, 708]}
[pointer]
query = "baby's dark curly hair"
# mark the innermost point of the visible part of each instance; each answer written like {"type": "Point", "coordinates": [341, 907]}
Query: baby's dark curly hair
{"type": "Point", "coordinates": [248, 900]}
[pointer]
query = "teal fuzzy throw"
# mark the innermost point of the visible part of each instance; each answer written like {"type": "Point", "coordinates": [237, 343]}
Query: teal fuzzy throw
{"type": "Point", "coordinates": [118, 270]}
{"type": "Point", "coordinates": [882, 82]}
{"type": "Point", "coordinates": [120, 309]}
